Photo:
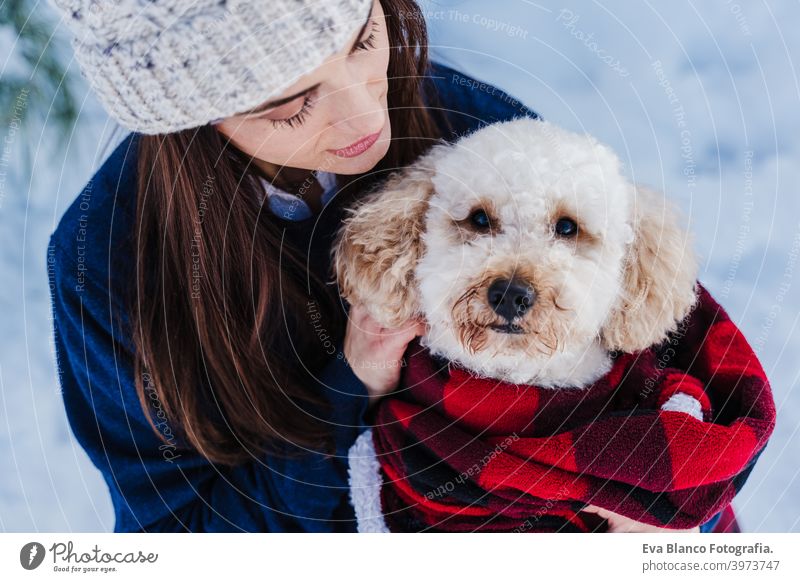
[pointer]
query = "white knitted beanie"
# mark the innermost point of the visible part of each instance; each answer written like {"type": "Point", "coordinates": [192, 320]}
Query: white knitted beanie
{"type": "Point", "coordinates": [164, 65]}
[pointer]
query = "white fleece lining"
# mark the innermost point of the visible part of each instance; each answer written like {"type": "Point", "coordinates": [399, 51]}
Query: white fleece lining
{"type": "Point", "coordinates": [681, 402]}
{"type": "Point", "coordinates": [365, 485]}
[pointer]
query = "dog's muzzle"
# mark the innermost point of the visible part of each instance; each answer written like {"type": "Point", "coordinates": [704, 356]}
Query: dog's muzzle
{"type": "Point", "coordinates": [510, 299]}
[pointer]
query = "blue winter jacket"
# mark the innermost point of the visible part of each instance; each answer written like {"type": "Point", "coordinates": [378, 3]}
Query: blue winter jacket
{"type": "Point", "coordinates": [153, 486]}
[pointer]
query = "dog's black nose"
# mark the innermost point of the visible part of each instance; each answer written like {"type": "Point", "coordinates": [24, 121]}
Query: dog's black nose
{"type": "Point", "coordinates": [510, 299]}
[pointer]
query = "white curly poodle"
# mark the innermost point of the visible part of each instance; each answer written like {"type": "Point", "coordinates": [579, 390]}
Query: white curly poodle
{"type": "Point", "coordinates": [526, 250]}
{"type": "Point", "coordinates": [530, 256]}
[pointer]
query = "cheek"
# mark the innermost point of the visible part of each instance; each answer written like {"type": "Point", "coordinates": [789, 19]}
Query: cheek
{"type": "Point", "coordinates": [383, 62]}
{"type": "Point", "coordinates": [589, 289]}
{"type": "Point", "coordinates": [376, 73]}
{"type": "Point", "coordinates": [448, 271]}
{"type": "Point", "coordinates": [443, 276]}
{"type": "Point", "coordinates": [294, 147]}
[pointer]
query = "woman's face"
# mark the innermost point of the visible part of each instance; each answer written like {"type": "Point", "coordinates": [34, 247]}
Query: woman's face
{"type": "Point", "coordinates": [326, 128]}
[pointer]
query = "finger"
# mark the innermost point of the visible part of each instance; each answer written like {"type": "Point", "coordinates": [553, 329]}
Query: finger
{"type": "Point", "coordinates": [598, 510]}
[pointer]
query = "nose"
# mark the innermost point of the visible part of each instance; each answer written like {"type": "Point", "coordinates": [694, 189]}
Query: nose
{"type": "Point", "coordinates": [358, 108]}
{"type": "Point", "coordinates": [510, 299]}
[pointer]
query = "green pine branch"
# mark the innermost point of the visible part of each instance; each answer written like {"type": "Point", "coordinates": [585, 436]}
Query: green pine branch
{"type": "Point", "coordinates": [36, 83]}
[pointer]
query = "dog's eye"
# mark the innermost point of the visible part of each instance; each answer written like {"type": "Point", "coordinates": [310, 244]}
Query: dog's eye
{"type": "Point", "coordinates": [480, 219]}
{"type": "Point", "coordinates": [566, 227]}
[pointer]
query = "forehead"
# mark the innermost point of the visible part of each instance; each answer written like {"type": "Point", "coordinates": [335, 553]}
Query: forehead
{"type": "Point", "coordinates": [530, 179]}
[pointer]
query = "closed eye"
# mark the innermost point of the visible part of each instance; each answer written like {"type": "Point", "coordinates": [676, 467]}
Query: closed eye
{"type": "Point", "coordinates": [369, 42]}
{"type": "Point", "coordinates": [299, 117]}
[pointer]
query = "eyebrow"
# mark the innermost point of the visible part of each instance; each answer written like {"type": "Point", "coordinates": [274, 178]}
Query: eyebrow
{"type": "Point", "coordinates": [278, 102]}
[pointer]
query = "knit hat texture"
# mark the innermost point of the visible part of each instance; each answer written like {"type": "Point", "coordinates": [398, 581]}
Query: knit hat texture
{"type": "Point", "coordinates": [160, 66]}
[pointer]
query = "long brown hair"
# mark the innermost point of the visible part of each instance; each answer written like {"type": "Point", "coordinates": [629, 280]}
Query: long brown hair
{"type": "Point", "coordinates": [217, 282]}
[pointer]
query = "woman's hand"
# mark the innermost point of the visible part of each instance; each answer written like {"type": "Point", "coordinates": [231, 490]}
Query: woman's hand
{"type": "Point", "coordinates": [375, 352]}
{"type": "Point", "coordinates": [620, 524]}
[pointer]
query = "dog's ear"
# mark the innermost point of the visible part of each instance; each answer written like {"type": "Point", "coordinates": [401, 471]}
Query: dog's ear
{"type": "Point", "coordinates": [380, 243]}
{"type": "Point", "coordinates": [659, 277]}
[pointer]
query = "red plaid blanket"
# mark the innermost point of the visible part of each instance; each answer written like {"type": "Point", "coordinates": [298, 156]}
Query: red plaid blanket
{"type": "Point", "coordinates": [463, 453]}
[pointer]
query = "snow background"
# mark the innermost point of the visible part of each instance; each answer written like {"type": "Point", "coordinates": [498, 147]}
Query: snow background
{"type": "Point", "coordinates": [585, 65]}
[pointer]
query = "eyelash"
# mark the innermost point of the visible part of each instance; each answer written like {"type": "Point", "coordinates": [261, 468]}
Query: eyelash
{"type": "Point", "coordinates": [299, 117]}
{"type": "Point", "coordinates": [369, 42]}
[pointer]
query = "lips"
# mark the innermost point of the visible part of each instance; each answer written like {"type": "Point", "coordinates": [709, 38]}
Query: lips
{"type": "Point", "coordinates": [509, 328]}
{"type": "Point", "coordinates": [359, 147]}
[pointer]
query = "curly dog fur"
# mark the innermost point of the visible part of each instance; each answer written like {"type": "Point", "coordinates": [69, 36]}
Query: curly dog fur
{"type": "Point", "coordinates": [440, 235]}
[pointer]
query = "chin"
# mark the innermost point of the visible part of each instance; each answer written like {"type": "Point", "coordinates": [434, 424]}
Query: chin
{"type": "Point", "coordinates": [363, 163]}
